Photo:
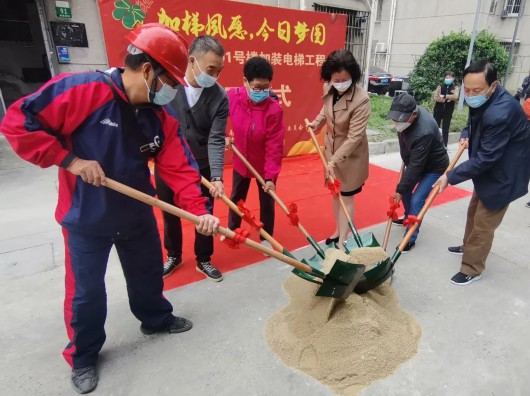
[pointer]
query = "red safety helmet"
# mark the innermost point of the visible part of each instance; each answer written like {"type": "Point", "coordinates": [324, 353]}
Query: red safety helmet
{"type": "Point", "coordinates": [164, 45]}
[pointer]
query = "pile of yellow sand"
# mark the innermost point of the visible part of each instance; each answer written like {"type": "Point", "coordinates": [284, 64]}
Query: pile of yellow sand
{"type": "Point", "coordinates": [365, 339]}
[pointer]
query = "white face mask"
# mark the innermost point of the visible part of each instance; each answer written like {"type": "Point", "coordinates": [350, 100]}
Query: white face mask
{"type": "Point", "coordinates": [165, 95]}
{"type": "Point", "coordinates": [342, 86]}
{"type": "Point", "coordinates": [401, 126]}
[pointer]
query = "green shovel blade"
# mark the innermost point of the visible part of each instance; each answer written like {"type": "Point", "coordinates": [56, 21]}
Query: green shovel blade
{"type": "Point", "coordinates": [367, 240]}
{"type": "Point", "coordinates": [378, 275]}
{"type": "Point", "coordinates": [341, 280]}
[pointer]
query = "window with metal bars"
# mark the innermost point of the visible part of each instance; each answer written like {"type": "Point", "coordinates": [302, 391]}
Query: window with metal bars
{"type": "Point", "coordinates": [356, 30]}
{"type": "Point", "coordinates": [511, 7]}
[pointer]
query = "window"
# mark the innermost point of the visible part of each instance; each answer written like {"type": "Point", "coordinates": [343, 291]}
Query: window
{"type": "Point", "coordinates": [511, 8]}
{"type": "Point", "coordinates": [493, 7]}
{"type": "Point", "coordinates": [379, 12]}
{"type": "Point", "coordinates": [507, 45]}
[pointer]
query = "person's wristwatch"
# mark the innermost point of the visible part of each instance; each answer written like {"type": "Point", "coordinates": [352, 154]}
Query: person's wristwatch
{"type": "Point", "coordinates": [216, 179]}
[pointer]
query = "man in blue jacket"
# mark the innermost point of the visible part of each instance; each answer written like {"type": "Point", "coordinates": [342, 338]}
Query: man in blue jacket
{"type": "Point", "coordinates": [498, 135]}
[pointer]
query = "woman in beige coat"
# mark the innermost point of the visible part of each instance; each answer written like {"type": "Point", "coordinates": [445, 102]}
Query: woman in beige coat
{"type": "Point", "coordinates": [346, 112]}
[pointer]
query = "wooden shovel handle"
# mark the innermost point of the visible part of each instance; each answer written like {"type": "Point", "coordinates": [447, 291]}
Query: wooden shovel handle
{"type": "Point", "coordinates": [271, 193]}
{"type": "Point", "coordinates": [325, 164]}
{"type": "Point", "coordinates": [234, 207]}
{"type": "Point", "coordinates": [152, 201]}
{"type": "Point", "coordinates": [389, 221]}
{"type": "Point", "coordinates": [434, 192]}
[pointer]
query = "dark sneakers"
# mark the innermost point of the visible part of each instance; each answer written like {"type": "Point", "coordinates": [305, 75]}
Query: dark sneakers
{"type": "Point", "coordinates": [408, 247]}
{"type": "Point", "coordinates": [84, 380]}
{"type": "Point", "coordinates": [209, 271]}
{"type": "Point", "coordinates": [398, 221]}
{"type": "Point", "coordinates": [462, 279]}
{"type": "Point", "coordinates": [180, 325]}
{"type": "Point", "coordinates": [171, 265]}
{"type": "Point", "coordinates": [458, 250]}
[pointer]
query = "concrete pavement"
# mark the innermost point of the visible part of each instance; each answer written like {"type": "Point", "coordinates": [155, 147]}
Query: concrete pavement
{"type": "Point", "coordinates": [475, 339]}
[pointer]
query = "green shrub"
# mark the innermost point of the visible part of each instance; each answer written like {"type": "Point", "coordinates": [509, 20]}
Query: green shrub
{"type": "Point", "coordinates": [449, 53]}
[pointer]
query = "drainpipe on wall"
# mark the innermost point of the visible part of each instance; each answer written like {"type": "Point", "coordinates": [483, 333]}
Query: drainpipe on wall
{"type": "Point", "coordinates": [373, 10]}
{"type": "Point", "coordinates": [512, 47]}
{"type": "Point", "coordinates": [390, 33]}
{"type": "Point", "coordinates": [46, 36]}
{"type": "Point", "coordinates": [302, 4]}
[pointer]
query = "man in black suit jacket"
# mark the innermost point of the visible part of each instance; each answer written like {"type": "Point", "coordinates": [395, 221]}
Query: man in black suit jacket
{"type": "Point", "coordinates": [499, 164]}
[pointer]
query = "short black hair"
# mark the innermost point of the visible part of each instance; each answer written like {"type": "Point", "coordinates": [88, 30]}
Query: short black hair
{"type": "Point", "coordinates": [257, 67]}
{"type": "Point", "coordinates": [204, 44]}
{"type": "Point", "coordinates": [483, 66]}
{"type": "Point", "coordinates": [136, 61]}
{"type": "Point", "coordinates": [338, 61]}
{"type": "Point", "coordinates": [450, 73]}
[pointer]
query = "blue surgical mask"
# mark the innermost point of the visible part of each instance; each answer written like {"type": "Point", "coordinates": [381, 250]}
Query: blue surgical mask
{"type": "Point", "coordinates": [203, 79]}
{"type": "Point", "coordinates": [448, 81]}
{"type": "Point", "coordinates": [165, 95]}
{"type": "Point", "coordinates": [477, 101]}
{"type": "Point", "coordinates": [258, 96]}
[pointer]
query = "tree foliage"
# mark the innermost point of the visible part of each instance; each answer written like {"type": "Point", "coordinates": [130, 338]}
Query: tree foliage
{"type": "Point", "coordinates": [449, 53]}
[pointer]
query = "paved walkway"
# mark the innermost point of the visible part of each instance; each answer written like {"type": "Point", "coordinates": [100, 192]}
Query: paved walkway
{"type": "Point", "coordinates": [475, 339]}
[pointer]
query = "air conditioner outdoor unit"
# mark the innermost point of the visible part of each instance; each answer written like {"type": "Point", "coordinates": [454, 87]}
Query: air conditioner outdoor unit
{"type": "Point", "coordinates": [380, 47]}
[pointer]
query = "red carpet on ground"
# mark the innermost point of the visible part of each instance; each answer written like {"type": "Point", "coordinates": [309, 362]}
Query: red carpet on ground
{"type": "Point", "coordinates": [302, 182]}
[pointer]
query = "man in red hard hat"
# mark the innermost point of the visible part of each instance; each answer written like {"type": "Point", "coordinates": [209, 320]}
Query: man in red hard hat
{"type": "Point", "coordinates": [92, 125]}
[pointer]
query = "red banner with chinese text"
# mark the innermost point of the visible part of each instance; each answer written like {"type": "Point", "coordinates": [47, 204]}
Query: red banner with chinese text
{"type": "Point", "coordinates": [295, 42]}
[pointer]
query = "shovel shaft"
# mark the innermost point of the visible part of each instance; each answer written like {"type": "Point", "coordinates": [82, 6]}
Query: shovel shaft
{"type": "Point", "coordinates": [234, 208]}
{"type": "Point", "coordinates": [149, 200]}
{"type": "Point", "coordinates": [271, 193]}
{"type": "Point", "coordinates": [428, 202]}
{"type": "Point", "coordinates": [356, 235]}
{"type": "Point", "coordinates": [389, 221]}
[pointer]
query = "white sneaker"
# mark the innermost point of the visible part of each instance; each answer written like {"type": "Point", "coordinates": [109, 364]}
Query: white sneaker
{"type": "Point", "coordinates": [267, 245]}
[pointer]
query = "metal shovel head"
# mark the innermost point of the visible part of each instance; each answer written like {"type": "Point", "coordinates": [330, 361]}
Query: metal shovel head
{"type": "Point", "coordinates": [367, 240]}
{"type": "Point", "coordinates": [341, 280]}
{"type": "Point", "coordinates": [316, 262]}
{"type": "Point", "coordinates": [375, 276]}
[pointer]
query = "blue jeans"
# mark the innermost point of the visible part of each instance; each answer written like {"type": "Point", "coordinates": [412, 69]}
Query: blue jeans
{"type": "Point", "coordinates": [414, 201]}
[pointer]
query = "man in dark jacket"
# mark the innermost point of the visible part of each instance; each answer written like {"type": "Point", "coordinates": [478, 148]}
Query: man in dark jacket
{"type": "Point", "coordinates": [423, 153]}
{"type": "Point", "coordinates": [499, 164]}
{"type": "Point", "coordinates": [202, 109]}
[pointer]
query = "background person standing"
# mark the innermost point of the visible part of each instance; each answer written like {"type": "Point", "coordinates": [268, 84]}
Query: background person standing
{"type": "Point", "coordinates": [445, 96]}
{"type": "Point", "coordinates": [346, 111]}
{"type": "Point", "coordinates": [202, 109]}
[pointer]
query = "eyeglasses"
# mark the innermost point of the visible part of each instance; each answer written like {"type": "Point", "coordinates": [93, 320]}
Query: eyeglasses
{"type": "Point", "coordinates": [167, 80]}
{"type": "Point", "coordinates": [254, 89]}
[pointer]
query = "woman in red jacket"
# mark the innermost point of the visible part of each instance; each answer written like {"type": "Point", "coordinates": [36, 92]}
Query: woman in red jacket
{"type": "Point", "coordinates": [257, 123]}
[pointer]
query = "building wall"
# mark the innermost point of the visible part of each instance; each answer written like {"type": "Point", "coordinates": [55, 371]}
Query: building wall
{"type": "Point", "coordinates": [418, 23]}
{"type": "Point", "coordinates": [81, 59]}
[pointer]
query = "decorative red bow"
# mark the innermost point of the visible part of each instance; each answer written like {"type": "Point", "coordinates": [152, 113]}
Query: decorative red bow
{"type": "Point", "coordinates": [240, 236]}
{"type": "Point", "coordinates": [248, 216]}
{"type": "Point", "coordinates": [392, 210]}
{"type": "Point", "coordinates": [293, 214]}
{"type": "Point", "coordinates": [334, 187]}
{"type": "Point", "coordinates": [411, 220]}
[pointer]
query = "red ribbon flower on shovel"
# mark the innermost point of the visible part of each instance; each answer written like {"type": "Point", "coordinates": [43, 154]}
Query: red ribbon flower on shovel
{"type": "Point", "coordinates": [248, 216]}
{"type": "Point", "coordinates": [392, 210]}
{"type": "Point", "coordinates": [240, 237]}
{"type": "Point", "coordinates": [411, 220]}
{"type": "Point", "coordinates": [293, 214]}
{"type": "Point", "coordinates": [334, 187]}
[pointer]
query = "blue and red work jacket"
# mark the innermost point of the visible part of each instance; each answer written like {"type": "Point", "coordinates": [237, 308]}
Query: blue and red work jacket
{"type": "Point", "coordinates": [77, 115]}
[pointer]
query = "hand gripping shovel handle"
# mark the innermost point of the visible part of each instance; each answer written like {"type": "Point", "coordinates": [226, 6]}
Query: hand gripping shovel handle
{"type": "Point", "coordinates": [389, 222]}
{"type": "Point", "coordinates": [149, 200]}
{"type": "Point", "coordinates": [234, 208]}
{"type": "Point", "coordinates": [434, 192]}
{"type": "Point", "coordinates": [356, 235]}
{"type": "Point", "coordinates": [277, 199]}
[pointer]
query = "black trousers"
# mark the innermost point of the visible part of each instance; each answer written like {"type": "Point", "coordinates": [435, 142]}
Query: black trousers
{"type": "Point", "coordinates": [443, 113]}
{"type": "Point", "coordinates": [173, 225]}
{"type": "Point", "coordinates": [240, 186]}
